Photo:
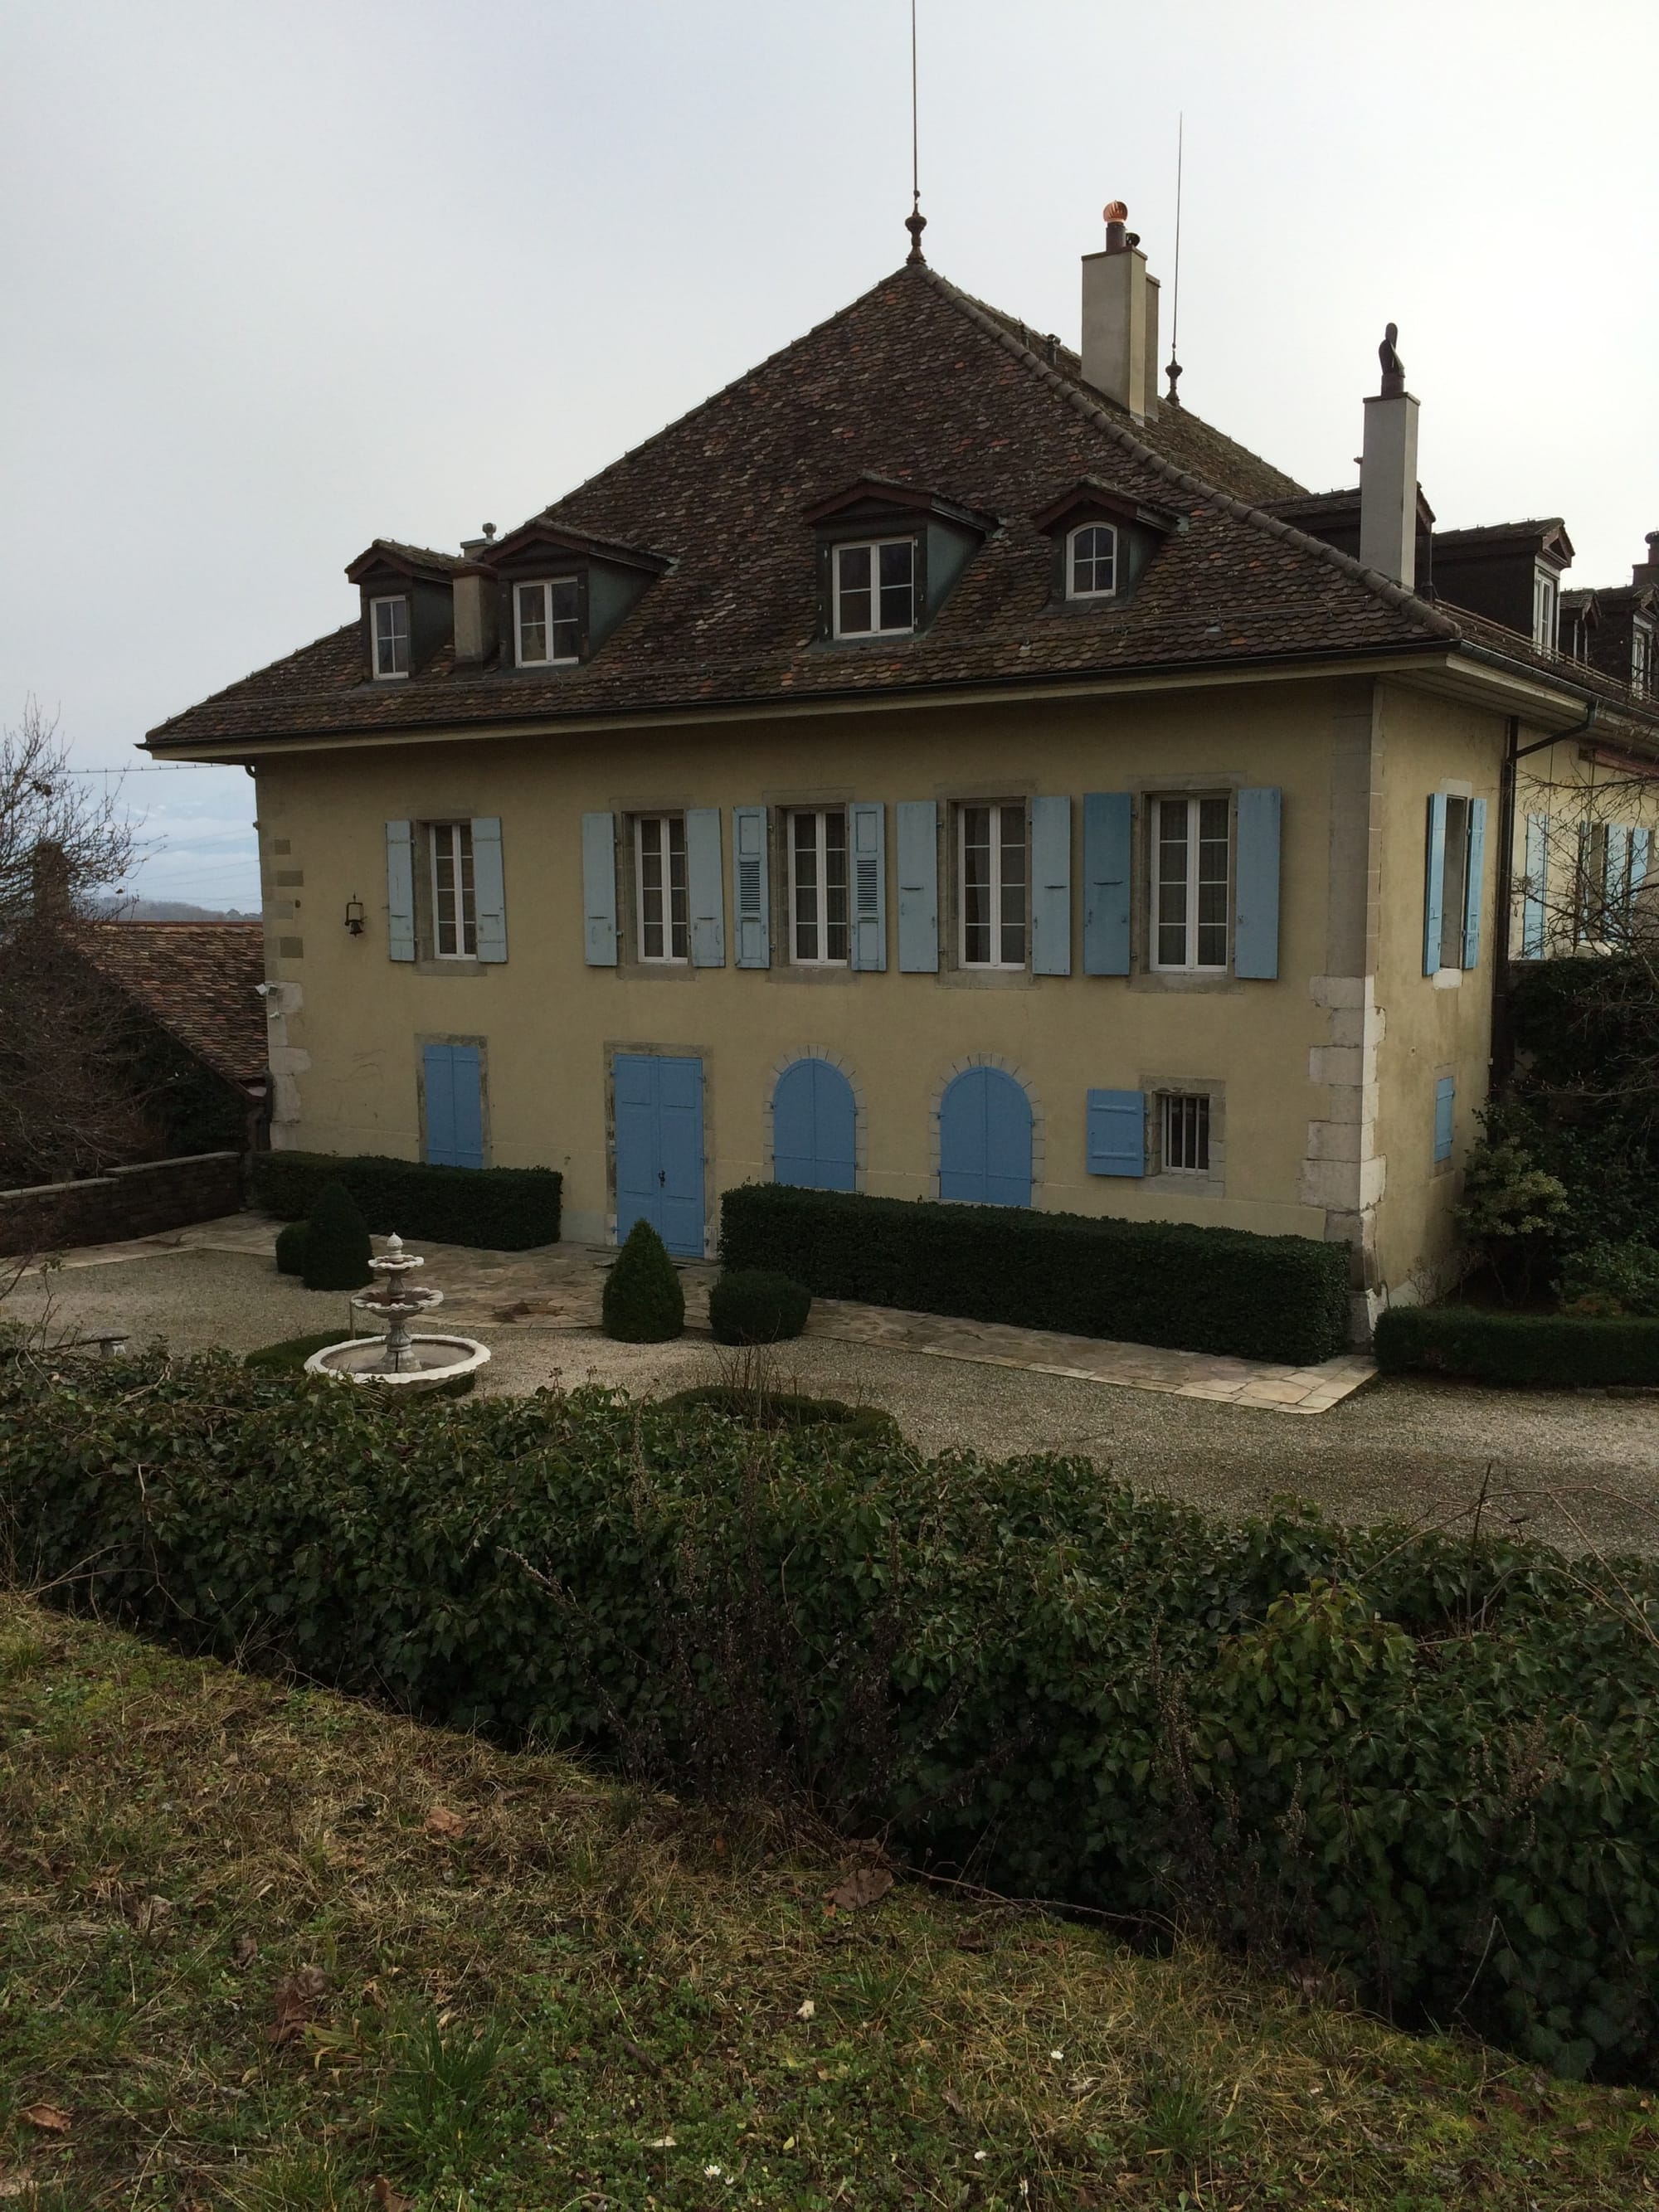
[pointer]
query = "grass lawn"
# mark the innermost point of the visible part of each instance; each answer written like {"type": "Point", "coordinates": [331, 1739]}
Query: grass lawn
{"type": "Point", "coordinates": [267, 1947]}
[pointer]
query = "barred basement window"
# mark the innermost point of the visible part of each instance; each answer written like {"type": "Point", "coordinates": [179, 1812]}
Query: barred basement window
{"type": "Point", "coordinates": [817, 888]}
{"type": "Point", "coordinates": [1186, 1134]}
{"type": "Point", "coordinates": [664, 912]}
{"type": "Point", "coordinates": [454, 914]}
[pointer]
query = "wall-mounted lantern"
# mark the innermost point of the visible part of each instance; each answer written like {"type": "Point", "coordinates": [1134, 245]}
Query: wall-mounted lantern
{"type": "Point", "coordinates": [354, 916]}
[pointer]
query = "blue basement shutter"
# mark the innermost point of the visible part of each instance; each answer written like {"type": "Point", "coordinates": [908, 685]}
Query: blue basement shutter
{"type": "Point", "coordinates": [1445, 1094]}
{"type": "Point", "coordinates": [1532, 903]}
{"type": "Point", "coordinates": [599, 888]}
{"type": "Point", "coordinates": [1255, 903]}
{"type": "Point", "coordinates": [985, 1139]}
{"type": "Point", "coordinates": [866, 835]}
{"type": "Point", "coordinates": [814, 1128]}
{"type": "Point", "coordinates": [1434, 883]}
{"type": "Point", "coordinates": [488, 894]}
{"type": "Point", "coordinates": [1051, 886]}
{"type": "Point", "coordinates": [1116, 1126]}
{"type": "Point", "coordinates": [750, 890]}
{"type": "Point", "coordinates": [455, 1105]}
{"type": "Point", "coordinates": [1107, 842]}
{"type": "Point", "coordinates": [918, 886]}
{"type": "Point", "coordinates": [1473, 883]}
{"type": "Point", "coordinates": [400, 890]}
{"type": "Point", "coordinates": [703, 880]}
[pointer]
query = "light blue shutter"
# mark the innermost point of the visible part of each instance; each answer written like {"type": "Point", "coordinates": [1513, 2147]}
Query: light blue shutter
{"type": "Point", "coordinates": [489, 893]}
{"type": "Point", "coordinates": [1532, 903]}
{"type": "Point", "coordinates": [1434, 883]}
{"type": "Point", "coordinates": [702, 881]}
{"type": "Point", "coordinates": [1108, 843]}
{"type": "Point", "coordinates": [1445, 1099]}
{"type": "Point", "coordinates": [400, 890]}
{"type": "Point", "coordinates": [814, 1128]}
{"type": "Point", "coordinates": [1616, 890]}
{"type": "Point", "coordinates": [985, 1139]}
{"type": "Point", "coordinates": [599, 888]}
{"type": "Point", "coordinates": [867, 837]}
{"type": "Point", "coordinates": [1051, 886]}
{"type": "Point", "coordinates": [1640, 843]}
{"type": "Point", "coordinates": [455, 1105]}
{"type": "Point", "coordinates": [1116, 1133]}
{"type": "Point", "coordinates": [918, 886]}
{"type": "Point", "coordinates": [1474, 882]}
{"type": "Point", "coordinates": [751, 887]}
{"type": "Point", "coordinates": [1255, 903]}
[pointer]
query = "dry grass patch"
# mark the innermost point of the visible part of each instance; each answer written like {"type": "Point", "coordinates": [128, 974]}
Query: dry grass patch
{"type": "Point", "coordinates": [270, 1949]}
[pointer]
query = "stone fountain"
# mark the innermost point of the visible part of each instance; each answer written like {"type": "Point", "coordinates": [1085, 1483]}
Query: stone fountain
{"type": "Point", "coordinates": [403, 1359]}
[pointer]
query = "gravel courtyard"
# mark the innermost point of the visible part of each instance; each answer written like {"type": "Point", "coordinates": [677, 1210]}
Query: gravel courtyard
{"type": "Point", "coordinates": [1579, 1469]}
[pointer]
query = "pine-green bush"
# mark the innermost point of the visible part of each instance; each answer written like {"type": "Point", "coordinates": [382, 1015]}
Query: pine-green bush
{"type": "Point", "coordinates": [643, 1301]}
{"type": "Point", "coordinates": [757, 1305]}
{"type": "Point", "coordinates": [291, 1249]}
{"type": "Point", "coordinates": [336, 1246]}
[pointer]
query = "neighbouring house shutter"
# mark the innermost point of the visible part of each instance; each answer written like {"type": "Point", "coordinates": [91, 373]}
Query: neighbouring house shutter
{"type": "Point", "coordinates": [599, 888]}
{"type": "Point", "coordinates": [918, 886]}
{"type": "Point", "coordinates": [1255, 902]}
{"type": "Point", "coordinates": [1108, 843]}
{"type": "Point", "coordinates": [1616, 885]}
{"type": "Point", "coordinates": [1434, 883]}
{"type": "Point", "coordinates": [750, 890]}
{"type": "Point", "coordinates": [866, 836]}
{"type": "Point", "coordinates": [1116, 1125]}
{"type": "Point", "coordinates": [702, 883]}
{"type": "Point", "coordinates": [489, 893]}
{"type": "Point", "coordinates": [1532, 903]}
{"type": "Point", "coordinates": [1051, 886]}
{"type": "Point", "coordinates": [400, 890]}
{"type": "Point", "coordinates": [1445, 1100]}
{"type": "Point", "coordinates": [1640, 843]}
{"type": "Point", "coordinates": [1473, 883]}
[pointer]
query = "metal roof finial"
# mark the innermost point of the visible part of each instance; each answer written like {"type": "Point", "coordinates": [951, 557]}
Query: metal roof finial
{"type": "Point", "coordinates": [915, 222]}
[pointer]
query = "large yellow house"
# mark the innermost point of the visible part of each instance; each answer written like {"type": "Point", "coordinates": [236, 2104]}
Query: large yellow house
{"type": "Point", "coordinates": [936, 766]}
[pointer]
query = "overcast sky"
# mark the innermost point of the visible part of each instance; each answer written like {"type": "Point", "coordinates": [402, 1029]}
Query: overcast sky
{"type": "Point", "coordinates": [278, 280]}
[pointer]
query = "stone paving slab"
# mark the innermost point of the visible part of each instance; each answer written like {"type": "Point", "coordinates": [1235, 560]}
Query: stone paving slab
{"type": "Point", "coordinates": [556, 1288]}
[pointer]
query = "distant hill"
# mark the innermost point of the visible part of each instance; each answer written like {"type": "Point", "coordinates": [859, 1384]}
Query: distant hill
{"type": "Point", "coordinates": [141, 909]}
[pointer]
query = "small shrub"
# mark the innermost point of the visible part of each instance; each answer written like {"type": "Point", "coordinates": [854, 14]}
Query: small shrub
{"type": "Point", "coordinates": [783, 1409]}
{"type": "Point", "coordinates": [752, 1305]}
{"type": "Point", "coordinates": [1610, 1280]}
{"type": "Point", "coordinates": [291, 1249]}
{"type": "Point", "coordinates": [1531, 1351]}
{"type": "Point", "coordinates": [490, 1209]}
{"type": "Point", "coordinates": [643, 1303]}
{"type": "Point", "coordinates": [336, 1246]}
{"type": "Point", "coordinates": [1512, 1212]}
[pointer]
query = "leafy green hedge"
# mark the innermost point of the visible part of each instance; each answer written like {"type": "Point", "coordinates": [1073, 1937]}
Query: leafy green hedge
{"type": "Point", "coordinates": [1282, 1299]}
{"type": "Point", "coordinates": [493, 1209]}
{"type": "Point", "coordinates": [1431, 1762]}
{"type": "Point", "coordinates": [1544, 1350]}
{"type": "Point", "coordinates": [782, 1409]}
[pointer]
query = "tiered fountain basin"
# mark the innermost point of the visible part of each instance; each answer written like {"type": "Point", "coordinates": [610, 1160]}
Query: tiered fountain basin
{"type": "Point", "coordinates": [403, 1359]}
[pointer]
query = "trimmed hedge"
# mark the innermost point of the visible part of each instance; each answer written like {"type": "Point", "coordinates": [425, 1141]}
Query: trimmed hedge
{"type": "Point", "coordinates": [643, 1301]}
{"type": "Point", "coordinates": [1536, 1350]}
{"type": "Point", "coordinates": [492, 1209]}
{"type": "Point", "coordinates": [1431, 1761]}
{"type": "Point", "coordinates": [784, 1409]}
{"type": "Point", "coordinates": [290, 1252]}
{"type": "Point", "coordinates": [336, 1254]}
{"type": "Point", "coordinates": [1282, 1299]}
{"type": "Point", "coordinates": [752, 1305]}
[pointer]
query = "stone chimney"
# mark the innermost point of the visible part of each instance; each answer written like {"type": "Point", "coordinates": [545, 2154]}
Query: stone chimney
{"type": "Point", "coordinates": [1647, 572]}
{"type": "Point", "coordinates": [474, 602]}
{"type": "Point", "coordinates": [1120, 319]}
{"type": "Point", "coordinates": [1388, 474]}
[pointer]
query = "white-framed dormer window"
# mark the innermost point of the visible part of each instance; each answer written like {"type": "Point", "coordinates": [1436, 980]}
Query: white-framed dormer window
{"type": "Point", "coordinates": [1184, 1132]}
{"type": "Point", "coordinates": [1641, 658]}
{"type": "Point", "coordinates": [817, 887]}
{"type": "Point", "coordinates": [389, 625]}
{"type": "Point", "coordinates": [874, 587]}
{"type": "Point", "coordinates": [547, 623]}
{"type": "Point", "coordinates": [454, 908]}
{"type": "Point", "coordinates": [1544, 591]}
{"type": "Point", "coordinates": [1091, 561]}
{"type": "Point", "coordinates": [1191, 871]}
{"type": "Point", "coordinates": [993, 878]}
{"type": "Point", "coordinates": [664, 901]}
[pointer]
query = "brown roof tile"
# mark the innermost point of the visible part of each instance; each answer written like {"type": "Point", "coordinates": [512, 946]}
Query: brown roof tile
{"type": "Point", "coordinates": [196, 980]}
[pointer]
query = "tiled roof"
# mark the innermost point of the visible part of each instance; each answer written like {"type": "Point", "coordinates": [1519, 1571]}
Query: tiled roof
{"type": "Point", "coordinates": [917, 382]}
{"type": "Point", "coordinates": [196, 980]}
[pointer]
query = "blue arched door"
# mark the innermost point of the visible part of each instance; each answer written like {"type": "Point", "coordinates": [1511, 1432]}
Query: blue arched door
{"type": "Point", "coordinates": [814, 1126]}
{"type": "Point", "coordinates": [985, 1139]}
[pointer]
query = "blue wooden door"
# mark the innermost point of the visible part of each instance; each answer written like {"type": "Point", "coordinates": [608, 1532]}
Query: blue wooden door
{"type": "Point", "coordinates": [985, 1139]}
{"type": "Point", "coordinates": [814, 1128]}
{"type": "Point", "coordinates": [659, 1149]}
{"type": "Point", "coordinates": [453, 1081]}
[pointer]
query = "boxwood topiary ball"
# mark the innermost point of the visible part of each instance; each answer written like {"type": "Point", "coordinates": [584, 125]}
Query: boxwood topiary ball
{"type": "Point", "coordinates": [752, 1305]}
{"type": "Point", "coordinates": [643, 1303]}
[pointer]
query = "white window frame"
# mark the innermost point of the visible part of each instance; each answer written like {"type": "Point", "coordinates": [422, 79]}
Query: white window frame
{"type": "Point", "coordinates": [659, 829]}
{"type": "Point", "coordinates": [819, 893]}
{"type": "Point", "coordinates": [996, 808]}
{"type": "Point", "coordinates": [1545, 609]}
{"type": "Point", "coordinates": [1194, 802]}
{"type": "Point", "coordinates": [873, 547]}
{"type": "Point", "coordinates": [1641, 658]}
{"type": "Point", "coordinates": [1184, 1125]}
{"type": "Point", "coordinates": [1110, 592]}
{"type": "Point", "coordinates": [389, 599]}
{"type": "Point", "coordinates": [550, 660]}
{"type": "Point", "coordinates": [453, 840]}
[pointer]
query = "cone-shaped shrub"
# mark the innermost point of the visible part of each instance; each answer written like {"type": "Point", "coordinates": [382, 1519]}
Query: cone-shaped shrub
{"type": "Point", "coordinates": [643, 1301]}
{"type": "Point", "coordinates": [291, 1249]}
{"type": "Point", "coordinates": [336, 1256]}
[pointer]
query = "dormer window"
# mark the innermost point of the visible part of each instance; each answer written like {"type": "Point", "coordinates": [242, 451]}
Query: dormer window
{"type": "Point", "coordinates": [1091, 559]}
{"type": "Point", "coordinates": [547, 623]}
{"type": "Point", "coordinates": [390, 620]}
{"type": "Point", "coordinates": [876, 587]}
{"type": "Point", "coordinates": [1545, 587]}
{"type": "Point", "coordinates": [1641, 658]}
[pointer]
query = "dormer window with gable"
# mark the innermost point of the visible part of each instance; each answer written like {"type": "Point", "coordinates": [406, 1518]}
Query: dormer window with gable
{"type": "Point", "coordinates": [1641, 658]}
{"type": "Point", "coordinates": [407, 594]}
{"type": "Point", "coordinates": [1103, 541]}
{"type": "Point", "coordinates": [1091, 561]}
{"type": "Point", "coordinates": [875, 587]}
{"type": "Point", "coordinates": [547, 622]}
{"type": "Point", "coordinates": [389, 620]}
{"type": "Point", "coordinates": [1545, 587]}
{"type": "Point", "coordinates": [558, 594]}
{"type": "Point", "coordinates": [889, 557]}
